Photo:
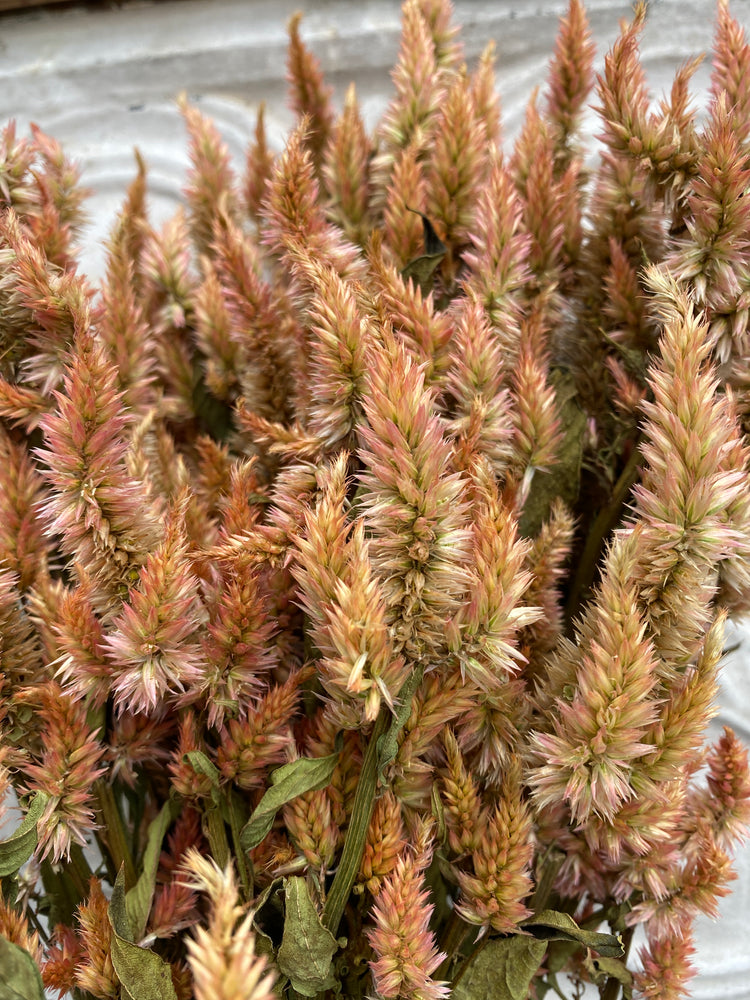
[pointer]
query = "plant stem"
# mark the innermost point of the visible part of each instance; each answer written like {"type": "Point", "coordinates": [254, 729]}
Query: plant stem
{"type": "Point", "coordinates": [453, 936]}
{"type": "Point", "coordinates": [216, 833]}
{"type": "Point", "coordinates": [114, 832]}
{"type": "Point", "coordinates": [356, 835]}
{"type": "Point", "coordinates": [605, 521]}
{"type": "Point", "coordinates": [245, 872]}
{"type": "Point", "coordinates": [612, 989]}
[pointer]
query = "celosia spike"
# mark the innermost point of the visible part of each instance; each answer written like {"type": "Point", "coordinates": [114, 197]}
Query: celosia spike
{"type": "Point", "coordinates": [211, 181]}
{"type": "Point", "coordinates": [96, 973]}
{"type": "Point", "coordinates": [493, 896]}
{"type": "Point", "coordinates": [731, 68]}
{"type": "Point", "coordinates": [346, 171]}
{"type": "Point", "coordinates": [385, 843]}
{"type": "Point", "coordinates": [294, 220]}
{"type": "Point", "coordinates": [457, 167]}
{"type": "Point", "coordinates": [405, 198]}
{"type": "Point", "coordinates": [479, 408]}
{"type": "Point", "coordinates": [414, 509]}
{"type": "Point", "coordinates": [406, 954]}
{"type": "Point", "coordinates": [69, 765]}
{"type": "Point", "coordinates": [498, 262]}
{"type": "Point", "coordinates": [586, 761]}
{"type": "Point", "coordinates": [153, 646]}
{"type": "Point", "coordinates": [486, 627]}
{"type": "Point", "coordinates": [486, 99]}
{"type": "Point", "coordinates": [258, 168]}
{"type": "Point", "coordinates": [570, 81]}
{"type": "Point", "coordinates": [222, 956]}
{"type": "Point", "coordinates": [24, 545]}
{"type": "Point", "coordinates": [309, 96]}
{"type": "Point", "coordinates": [93, 504]}
{"type": "Point", "coordinates": [462, 802]}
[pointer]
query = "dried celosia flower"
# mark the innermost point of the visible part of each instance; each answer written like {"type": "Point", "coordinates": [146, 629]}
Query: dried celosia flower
{"type": "Point", "coordinates": [413, 508]}
{"type": "Point", "coordinates": [725, 802]}
{"type": "Point", "coordinates": [462, 802]}
{"type": "Point", "coordinates": [479, 409]}
{"type": "Point", "coordinates": [666, 968]}
{"type": "Point", "coordinates": [252, 745]}
{"type": "Point", "coordinates": [406, 955]}
{"type": "Point", "coordinates": [153, 646]}
{"type": "Point", "coordinates": [24, 545]}
{"type": "Point", "coordinates": [95, 973]}
{"type": "Point", "coordinates": [93, 504]}
{"type": "Point", "coordinates": [385, 843]}
{"type": "Point", "coordinates": [686, 487]}
{"type": "Point", "coordinates": [346, 171]}
{"type": "Point", "coordinates": [64, 955]}
{"type": "Point", "coordinates": [404, 199]}
{"type": "Point", "coordinates": [222, 955]}
{"type": "Point", "coordinates": [294, 220]}
{"type": "Point", "coordinates": [69, 764]}
{"type": "Point", "coordinates": [570, 81]}
{"type": "Point", "coordinates": [14, 927]}
{"type": "Point", "coordinates": [83, 667]}
{"type": "Point", "coordinates": [598, 729]}
{"type": "Point", "coordinates": [486, 98]}
{"type": "Point", "coordinates": [457, 165]}
{"type": "Point", "coordinates": [258, 168]}
{"type": "Point", "coordinates": [731, 62]}
{"type": "Point", "coordinates": [340, 337]}
{"type": "Point", "coordinates": [310, 826]}
{"type": "Point", "coordinates": [493, 897]}
{"type": "Point", "coordinates": [211, 181]}
{"type": "Point", "coordinates": [410, 117]}
{"type": "Point", "coordinates": [498, 262]}
{"type": "Point", "coordinates": [483, 634]}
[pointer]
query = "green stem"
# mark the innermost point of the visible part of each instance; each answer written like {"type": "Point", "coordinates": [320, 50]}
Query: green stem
{"type": "Point", "coordinates": [113, 834]}
{"type": "Point", "coordinates": [246, 875]}
{"type": "Point", "coordinates": [453, 936]}
{"type": "Point", "coordinates": [216, 833]}
{"type": "Point", "coordinates": [605, 521]}
{"type": "Point", "coordinates": [612, 989]}
{"type": "Point", "coordinates": [79, 871]}
{"type": "Point", "coordinates": [356, 835]}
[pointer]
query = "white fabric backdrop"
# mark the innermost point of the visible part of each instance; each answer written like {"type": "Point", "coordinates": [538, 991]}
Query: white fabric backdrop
{"type": "Point", "coordinates": [104, 80]}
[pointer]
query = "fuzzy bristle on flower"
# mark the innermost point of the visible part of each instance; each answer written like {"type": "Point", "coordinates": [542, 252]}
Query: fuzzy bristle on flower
{"type": "Point", "coordinates": [221, 955]}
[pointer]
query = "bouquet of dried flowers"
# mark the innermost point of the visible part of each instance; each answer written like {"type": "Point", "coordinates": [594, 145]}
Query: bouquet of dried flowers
{"type": "Point", "coordinates": [367, 539]}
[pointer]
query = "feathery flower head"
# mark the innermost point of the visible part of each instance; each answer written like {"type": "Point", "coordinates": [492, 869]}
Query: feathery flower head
{"type": "Point", "coordinates": [222, 955]}
{"type": "Point", "coordinates": [406, 954]}
{"type": "Point", "coordinates": [153, 645]}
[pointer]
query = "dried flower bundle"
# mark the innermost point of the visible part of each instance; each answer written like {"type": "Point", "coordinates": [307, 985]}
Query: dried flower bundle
{"type": "Point", "coordinates": [367, 540]}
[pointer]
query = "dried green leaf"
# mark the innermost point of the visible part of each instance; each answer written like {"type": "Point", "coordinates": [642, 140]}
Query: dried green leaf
{"type": "Point", "coordinates": [602, 969]}
{"type": "Point", "coordinates": [422, 269]}
{"type": "Point", "coordinates": [551, 925]}
{"type": "Point", "coordinates": [142, 973]}
{"type": "Point", "coordinates": [501, 970]}
{"type": "Point", "coordinates": [287, 782]}
{"type": "Point", "coordinates": [307, 948]}
{"type": "Point", "coordinates": [202, 765]}
{"type": "Point", "coordinates": [19, 977]}
{"type": "Point", "coordinates": [139, 899]}
{"type": "Point", "coordinates": [17, 849]}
